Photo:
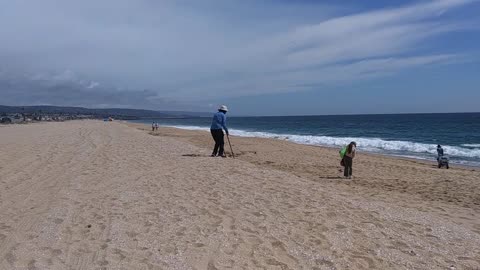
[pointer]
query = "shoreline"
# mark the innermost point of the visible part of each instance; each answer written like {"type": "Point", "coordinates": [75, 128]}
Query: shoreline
{"type": "Point", "coordinates": [386, 155]}
{"type": "Point", "coordinates": [323, 164]}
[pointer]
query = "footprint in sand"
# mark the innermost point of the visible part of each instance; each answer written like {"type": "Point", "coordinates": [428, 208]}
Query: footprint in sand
{"type": "Point", "coordinates": [280, 251]}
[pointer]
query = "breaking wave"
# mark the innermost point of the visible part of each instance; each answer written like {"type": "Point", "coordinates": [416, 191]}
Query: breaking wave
{"type": "Point", "coordinates": [472, 145]}
{"type": "Point", "coordinates": [367, 144]}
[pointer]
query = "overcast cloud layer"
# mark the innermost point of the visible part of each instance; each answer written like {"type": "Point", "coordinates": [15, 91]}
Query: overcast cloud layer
{"type": "Point", "coordinates": [183, 54]}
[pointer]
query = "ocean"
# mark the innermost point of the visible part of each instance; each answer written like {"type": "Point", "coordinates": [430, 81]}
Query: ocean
{"type": "Point", "coordinates": [405, 135]}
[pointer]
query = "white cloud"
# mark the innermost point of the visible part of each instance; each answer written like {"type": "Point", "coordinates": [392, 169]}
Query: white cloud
{"type": "Point", "coordinates": [189, 51]}
{"type": "Point", "coordinates": [343, 49]}
{"type": "Point", "coordinates": [93, 85]}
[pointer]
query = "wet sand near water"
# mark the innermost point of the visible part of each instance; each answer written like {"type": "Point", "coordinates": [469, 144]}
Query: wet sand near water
{"type": "Point", "coordinates": [107, 195]}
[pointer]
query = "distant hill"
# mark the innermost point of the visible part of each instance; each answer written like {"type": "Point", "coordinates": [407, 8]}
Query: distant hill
{"type": "Point", "coordinates": [114, 112]}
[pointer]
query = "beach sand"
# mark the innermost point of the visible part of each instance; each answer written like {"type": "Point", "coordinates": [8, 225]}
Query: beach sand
{"type": "Point", "coordinates": [111, 195]}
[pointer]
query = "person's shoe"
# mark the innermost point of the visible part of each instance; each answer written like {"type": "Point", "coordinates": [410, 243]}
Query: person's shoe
{"type": "Point", "coordinates": [223, 156]}
{"type": "Point", "coordinates": [212, 155]}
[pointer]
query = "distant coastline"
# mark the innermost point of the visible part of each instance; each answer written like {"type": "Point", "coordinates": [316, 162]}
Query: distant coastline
{"type": "Point", "coordinates": [23, 114]}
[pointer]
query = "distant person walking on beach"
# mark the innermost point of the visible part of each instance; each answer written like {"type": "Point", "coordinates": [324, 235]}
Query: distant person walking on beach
{"type": "Point", "coordinates": [442, 159]}
{"type": "Point", "coordinates": [153, 126]}
{"type": "Point", "coordinates": [439, 152]}
{"type": "Point", "coordinates": [156, 126]}
{"type": "Point", "coordinates": [219, 122]}
{"type": "Point", "coordinates": [348, 160]}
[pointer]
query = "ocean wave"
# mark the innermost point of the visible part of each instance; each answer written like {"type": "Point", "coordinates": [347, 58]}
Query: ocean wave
{"type": "Point", "coordinates": [471, 145]}
{"type": "Point", "coordinates": [368, 144]}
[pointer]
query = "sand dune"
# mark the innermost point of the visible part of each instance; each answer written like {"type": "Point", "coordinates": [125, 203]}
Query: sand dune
{"type": "Point", "coordinates": [101, 195]}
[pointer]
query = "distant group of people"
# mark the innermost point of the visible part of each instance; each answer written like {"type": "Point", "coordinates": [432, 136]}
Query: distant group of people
{"type": "Point", "coordinates": [219, 124]}
{"type": "Point", "coordinates": [348, 153]}
{"type": "Point", "coordinates": [154, 126]}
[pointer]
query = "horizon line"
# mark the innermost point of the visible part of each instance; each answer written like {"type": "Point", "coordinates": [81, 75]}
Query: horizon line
{"type": "Point", "coordinates": [308, 115]}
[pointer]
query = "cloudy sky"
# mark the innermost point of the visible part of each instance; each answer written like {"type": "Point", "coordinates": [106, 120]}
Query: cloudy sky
{"type": "Point", "coordinates": [271, 57]}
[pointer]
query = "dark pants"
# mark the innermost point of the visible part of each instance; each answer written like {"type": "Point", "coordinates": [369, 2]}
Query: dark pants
{"type": "Point", "coordinates": [217, 135]}
{"type": "Point", "coordinates": [348, 161]}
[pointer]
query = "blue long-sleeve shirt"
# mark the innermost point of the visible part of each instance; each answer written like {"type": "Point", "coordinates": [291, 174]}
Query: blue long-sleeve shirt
{"type": "Point", "coordinates": [219, 121]}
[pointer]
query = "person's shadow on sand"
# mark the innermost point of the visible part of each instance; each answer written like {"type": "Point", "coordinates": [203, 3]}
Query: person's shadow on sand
{"type": "Point", "coordinates": [332, 177]}
{"type": "Point", "coordinates": [194, 155]}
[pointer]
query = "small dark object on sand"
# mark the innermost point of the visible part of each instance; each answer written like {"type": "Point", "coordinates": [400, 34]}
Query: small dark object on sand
{"type": "Point", "coordinates": [443, 161]}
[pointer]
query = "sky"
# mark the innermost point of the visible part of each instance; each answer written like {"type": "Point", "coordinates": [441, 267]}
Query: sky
{"type": "Point", "coordinates": [270, 57]}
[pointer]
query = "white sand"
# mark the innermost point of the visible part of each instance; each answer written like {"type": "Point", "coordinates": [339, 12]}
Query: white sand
{"type": "Point", "coordinates": [101, 195]}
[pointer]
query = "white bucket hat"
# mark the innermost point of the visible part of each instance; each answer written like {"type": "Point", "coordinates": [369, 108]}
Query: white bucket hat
{"type": "Point", "coordinates": [223, 108]}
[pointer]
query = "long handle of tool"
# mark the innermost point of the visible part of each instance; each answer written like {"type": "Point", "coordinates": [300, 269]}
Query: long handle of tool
{"type": "Point", "coordinates": [228, 138]}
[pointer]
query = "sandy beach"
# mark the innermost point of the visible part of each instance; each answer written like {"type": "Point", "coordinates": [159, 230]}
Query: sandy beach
{"type": "Point", "coordinates": [112, 195]}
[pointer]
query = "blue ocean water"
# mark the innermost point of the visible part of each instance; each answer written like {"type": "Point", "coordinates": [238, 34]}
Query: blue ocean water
{"type": "Point", "coordinates": [408, 135]}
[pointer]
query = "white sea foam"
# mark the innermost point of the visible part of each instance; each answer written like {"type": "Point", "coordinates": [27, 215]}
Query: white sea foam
{"type": "Point", "coordinates": [472, 145]}
{"type": "Point", "coordinates": [367, 144]}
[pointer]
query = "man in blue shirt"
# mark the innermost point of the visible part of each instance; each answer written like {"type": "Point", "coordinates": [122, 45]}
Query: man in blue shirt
{"type": "Point", "coordinates": [219, 122]}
